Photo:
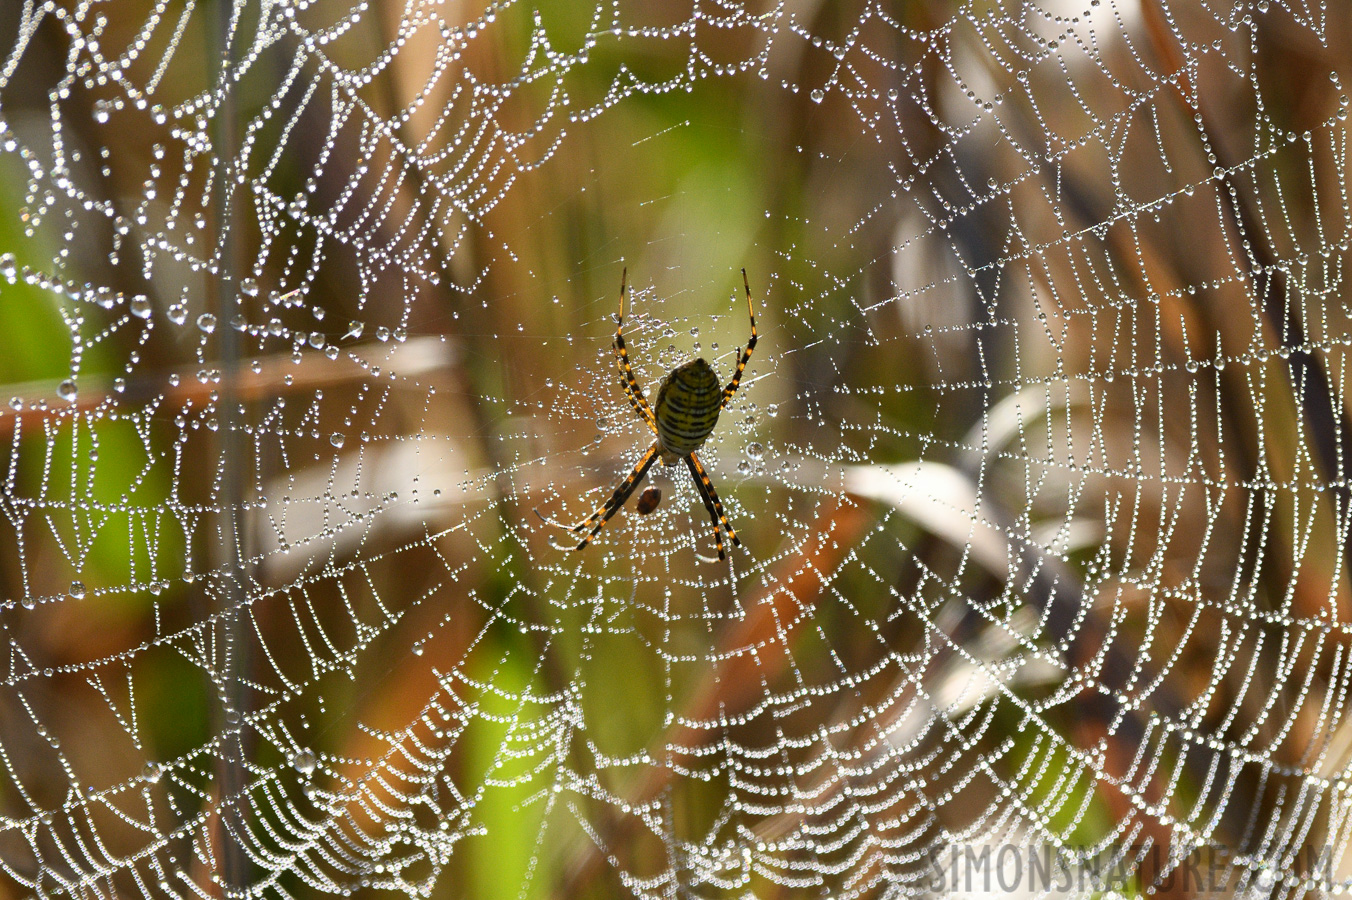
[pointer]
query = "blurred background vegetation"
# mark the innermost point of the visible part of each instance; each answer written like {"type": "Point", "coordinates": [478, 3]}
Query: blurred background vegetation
{"type": "Point", "coordinates": [1045, 528]}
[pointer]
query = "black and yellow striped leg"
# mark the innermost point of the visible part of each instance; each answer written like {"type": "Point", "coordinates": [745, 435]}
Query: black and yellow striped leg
{"type": "Point", "coordinates": [632, 389]}
{"type": "Point", "coordinates": [611, 506]}
{"type": "Point", "coordinates": [708, 504]}
{"type": "Point", "coordinates": [711, 496]}
{"type": "Point", "coordinates": [745, 354]}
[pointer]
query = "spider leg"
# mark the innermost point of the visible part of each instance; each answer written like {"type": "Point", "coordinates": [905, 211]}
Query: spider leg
{"type": "Point", "coordinates": [746, 354]}
{"type": "Point", "coordinates": [707, 486]}
{"type": "Point", "coordinates": [611, 506]}
{"type": "Point", "coordinates": [708, 504]}
{"type": "Point", "coordinates": [632, 389]}
{"type": "Point", "coordinates": [548, 521]}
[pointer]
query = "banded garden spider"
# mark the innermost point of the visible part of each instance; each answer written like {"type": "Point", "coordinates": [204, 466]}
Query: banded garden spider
{"type": "Point", "coordinates": [688, 403]}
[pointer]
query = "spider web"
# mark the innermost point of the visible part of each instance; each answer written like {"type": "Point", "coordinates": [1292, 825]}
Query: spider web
{"type": "Point", "coordinates": [1039, 464]}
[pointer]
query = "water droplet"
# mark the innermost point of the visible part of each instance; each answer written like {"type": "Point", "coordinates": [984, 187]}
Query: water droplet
{"type": "Point", "coordinates": [248, 287]}
{"type": "Point", "coordinates": [336, 439]}
{"type": "Point", "coordinates": [755, 451]}
{"type": "Point", "coordinates": [152, 772]}
{"type": "Point", "coordinates": [817, 96]}
{"type": "Point", "coordinates": [66, 390]}
{"type": "Point", "coordinates": [77, 590]}
{"type": "Point", "coordinates": [304, 761]}
{"type": "Point", "coordinates": [207, 323]}
{"type": "Point", "coordinates": [141, 306]}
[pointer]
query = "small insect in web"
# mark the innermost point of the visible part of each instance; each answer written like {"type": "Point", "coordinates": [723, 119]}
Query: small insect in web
{"type": "Point", "coordinates": [647, 501]}
{"type": "Point", "coordinates": [688, 403]}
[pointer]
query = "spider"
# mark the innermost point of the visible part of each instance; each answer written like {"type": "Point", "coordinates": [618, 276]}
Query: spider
{"type": "Point", "coordinates": [688, 403]}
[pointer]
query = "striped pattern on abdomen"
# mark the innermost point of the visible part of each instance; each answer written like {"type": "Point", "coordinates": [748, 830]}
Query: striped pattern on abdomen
{"type": "Point", "coordinates": [688, 403]}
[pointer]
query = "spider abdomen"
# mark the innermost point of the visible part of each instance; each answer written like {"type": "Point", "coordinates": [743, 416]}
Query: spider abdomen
{"type": "Point", "coordinates": [688, 403]}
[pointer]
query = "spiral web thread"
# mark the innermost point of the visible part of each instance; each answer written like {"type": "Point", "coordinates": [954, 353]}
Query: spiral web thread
{"type": "Point", "coordinates": [1040, 464]}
